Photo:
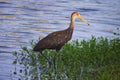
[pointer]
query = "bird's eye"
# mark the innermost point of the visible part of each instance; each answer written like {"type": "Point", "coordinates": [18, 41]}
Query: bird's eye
{"type": "Point", "coordinates": [77, 14]}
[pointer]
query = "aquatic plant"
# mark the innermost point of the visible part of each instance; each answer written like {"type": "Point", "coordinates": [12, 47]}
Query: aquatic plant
{"type": "Point", "coordinates": [94, 59]}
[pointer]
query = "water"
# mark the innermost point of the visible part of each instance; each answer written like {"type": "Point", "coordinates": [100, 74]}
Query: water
{"type": "Point", "coordinates": [25, 20]}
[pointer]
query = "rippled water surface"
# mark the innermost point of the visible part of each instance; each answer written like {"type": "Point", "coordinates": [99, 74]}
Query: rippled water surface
{"type": "Point", "coordinates": [25, 20]}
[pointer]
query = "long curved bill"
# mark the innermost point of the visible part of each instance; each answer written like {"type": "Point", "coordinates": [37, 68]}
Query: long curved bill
{"type": "Point", "coordinates": [83, 19]}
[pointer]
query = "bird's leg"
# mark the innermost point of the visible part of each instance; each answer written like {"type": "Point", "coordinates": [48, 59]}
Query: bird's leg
{"type": "Point", "coordinates": [54, 60]}
{"type": "Point", "coordinates": [49, 62]}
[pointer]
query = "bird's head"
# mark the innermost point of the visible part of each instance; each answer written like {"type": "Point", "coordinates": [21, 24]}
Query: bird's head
{"type": "Point", "coordinates": [77, 15]}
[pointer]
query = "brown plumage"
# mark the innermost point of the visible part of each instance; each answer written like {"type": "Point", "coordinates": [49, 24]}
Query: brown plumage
{"type": "Point", "coordinates": [57, 39]}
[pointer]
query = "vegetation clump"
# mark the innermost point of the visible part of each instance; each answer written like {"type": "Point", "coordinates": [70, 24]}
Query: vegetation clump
{"type": "Point", "coordinates": [94, 59]}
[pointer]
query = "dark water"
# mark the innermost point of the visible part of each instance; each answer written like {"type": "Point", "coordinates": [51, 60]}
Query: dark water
{"type": "Point", "coordinates": [25, 20]}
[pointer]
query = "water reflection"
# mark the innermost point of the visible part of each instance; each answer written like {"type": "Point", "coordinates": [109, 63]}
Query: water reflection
{"type": "Point", "coordinates": [25, 20]}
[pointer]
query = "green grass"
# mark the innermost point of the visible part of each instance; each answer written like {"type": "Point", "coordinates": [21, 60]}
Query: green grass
{"type": "Point", "coordinates": [94, 59]}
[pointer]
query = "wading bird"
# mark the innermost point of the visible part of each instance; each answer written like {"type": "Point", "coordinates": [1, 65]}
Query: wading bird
{"type": "Point", "coordinates": [57, 40]}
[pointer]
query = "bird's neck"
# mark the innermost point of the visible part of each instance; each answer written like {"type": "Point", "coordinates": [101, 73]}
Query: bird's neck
{"type": "Point", "coordinates": [72, 22]}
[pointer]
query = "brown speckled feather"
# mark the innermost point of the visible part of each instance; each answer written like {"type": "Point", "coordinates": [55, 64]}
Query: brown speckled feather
{"type": "Point", "coordinates": [54, 40]}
